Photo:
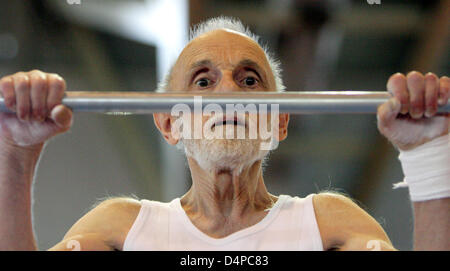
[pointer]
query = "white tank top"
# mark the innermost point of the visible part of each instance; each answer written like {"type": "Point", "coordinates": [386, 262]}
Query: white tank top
{"type": "Point", "coordinates": [289, 225]}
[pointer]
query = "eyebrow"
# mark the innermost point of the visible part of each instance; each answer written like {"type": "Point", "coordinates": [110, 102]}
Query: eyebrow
{"type": "Point", "coordinates": [248, 62]}
{"type": "Point", "coordinates": [201, 63]}
{"type": "Point", "coordinates": [207, 62]}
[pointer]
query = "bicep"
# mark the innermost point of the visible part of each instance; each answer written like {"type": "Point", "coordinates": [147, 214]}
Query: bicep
{"type": "Point", "coordinates": [346, 226]}
{"type": "Point", "coordinates": [103, 228]}
{"type": "Point", "coordinates": [366, 243]}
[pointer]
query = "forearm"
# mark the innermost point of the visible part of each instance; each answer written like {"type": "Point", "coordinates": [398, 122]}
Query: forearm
{"type": "Point", "coordinates": [427, 174]}
{"type": "Point", "coordinates": [17, 167]}
{"type": "Point", "coordinates": [432, 224]}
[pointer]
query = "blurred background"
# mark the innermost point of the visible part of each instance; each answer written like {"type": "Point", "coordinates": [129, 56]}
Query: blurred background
{"type": "Point", "coordinates": [128, 45]}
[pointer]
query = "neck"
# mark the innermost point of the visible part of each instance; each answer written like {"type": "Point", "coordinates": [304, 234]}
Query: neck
{"type": "Point", "coordinates": [226, 200]}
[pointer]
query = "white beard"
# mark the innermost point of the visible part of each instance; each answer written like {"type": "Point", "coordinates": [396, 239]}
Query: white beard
{"type": "Point", "coordinates": [217, 154]}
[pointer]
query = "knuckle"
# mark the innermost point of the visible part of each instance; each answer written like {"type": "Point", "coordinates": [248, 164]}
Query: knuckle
{"type": "Point", "coordinates": [36, 71]}
{"type": "Point", "coordinates": [445, 82]}
{"type": "Point", "coordinates": [5, 79]}
{"type": "Point", "coordinates": [5, 84]}
{"type": "Point", "coordinates": [18, 73]}
{"type": "Point", "coordinates": [55, 76]}
{"type": "Point", "coordinates": [37, 81]}
{"type": "Point", "coordinates": [22, 81]}
{"type": "Point", "coordinates": [432, 79]}
{"type": "Point", "coordinates": [37, 74]}
{"type": "Point", "coordinates": [415, 83]}
{"type": "Point", "coordinates": [397, 85]}
{"type": "Point", "coordinates": [57, 83]}
{"type": "Point", "coordinates": [414, 74]}
{"type": "Point", "coordinates": [397, 75]}
{"type": "Point", "coordinates": [431, 75]}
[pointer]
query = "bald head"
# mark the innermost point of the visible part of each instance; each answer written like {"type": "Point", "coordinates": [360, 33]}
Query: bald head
{"type": "Point", "coordinates": [222, 58]}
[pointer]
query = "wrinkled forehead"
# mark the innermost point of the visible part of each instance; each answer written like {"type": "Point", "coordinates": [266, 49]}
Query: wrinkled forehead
{"type": "Point", "coordinates": [222, 47]}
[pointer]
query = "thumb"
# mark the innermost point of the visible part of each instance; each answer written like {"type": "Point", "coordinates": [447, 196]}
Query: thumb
{"type": "Point", "coordinates": [62, 117]}
{"type": "Point", "coordinates": [387, 113]}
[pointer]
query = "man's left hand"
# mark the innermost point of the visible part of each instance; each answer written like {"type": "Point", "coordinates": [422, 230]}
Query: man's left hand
{"type": "Point", "coordinates": [410, 117]}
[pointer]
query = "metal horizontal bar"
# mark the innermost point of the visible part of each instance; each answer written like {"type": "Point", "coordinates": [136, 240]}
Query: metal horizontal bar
{"type": "Point", "coordinates": [320, 102]}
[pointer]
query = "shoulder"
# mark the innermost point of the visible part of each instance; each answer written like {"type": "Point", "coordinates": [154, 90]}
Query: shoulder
{"type": "Point", "coordinates": [342, 222]}
{"type": "Point", "coordinates": [333, 201]}
{"type": "Point", "coordinates": [116, 205]}
{"type": "Point", "coordinates": [335, 212]}
{"type": "Point", "coordinates": [117, 213]}
{"type": "Point", "coordinates": [109, 222]}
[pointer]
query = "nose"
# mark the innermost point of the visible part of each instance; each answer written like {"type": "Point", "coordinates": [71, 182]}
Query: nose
{"type": "Point", "coordinates": [227, 83]}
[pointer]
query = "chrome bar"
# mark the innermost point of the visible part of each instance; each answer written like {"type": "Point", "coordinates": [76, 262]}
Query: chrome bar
{"type": "Point", "coordinates": [319, 102]}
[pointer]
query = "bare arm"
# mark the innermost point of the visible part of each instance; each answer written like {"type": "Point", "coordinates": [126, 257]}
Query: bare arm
{"type": "Point", "coordinates": [432, 224]}
{"type": "Point", "coordinates": [35, 97]}
{"type": "Point", "coordinates": [409, 120]}
{"type": "Point", "coordinates": [103, 228]}
{"type": "Point", "coordinates": [16, 175]}
{"type": "Point", "coordinates": [345, 226]}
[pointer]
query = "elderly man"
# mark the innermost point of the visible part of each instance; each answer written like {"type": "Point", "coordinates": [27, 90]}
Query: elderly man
{"type": "Point", "coordinates": [228, 206]}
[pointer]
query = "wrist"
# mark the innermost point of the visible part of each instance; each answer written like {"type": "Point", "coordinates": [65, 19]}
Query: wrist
{"type": "Point", "coordinates": [427, 170]}
{"type": "Point", "coordinates": [7, 146]}
{"type": "Point", "coordinates": [414, 146]}
{"type": "Point", "coordinates": [21, 159]}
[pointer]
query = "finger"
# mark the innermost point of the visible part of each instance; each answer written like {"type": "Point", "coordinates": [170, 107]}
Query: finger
{"type": "Point", "coordinates": [396, 85]}
{"type": "Point", "coordinates": [62, 116]}
{"type": "Point", "coordinates": [416, 86]}
{"type": "Point", "coordinates": [444, 90]}
{"type": "Point", "coordinates": [38, 82]}
{"type": "Point", "coordinates": [56, 89]}
{"type": "Point", "coordinates": [387, 113]}
{"type": "Point", "coordinates": [22, 89]}
{"type": "Point", "coordinates": [7, 91]}
{"type": "Point", "coordinates": [431, 94]}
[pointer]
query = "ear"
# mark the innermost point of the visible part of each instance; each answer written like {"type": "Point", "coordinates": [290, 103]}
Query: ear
{"type": "Point", "coordinates": [282, 126]}
{"type": "Point", "coordinates": [163, 122]}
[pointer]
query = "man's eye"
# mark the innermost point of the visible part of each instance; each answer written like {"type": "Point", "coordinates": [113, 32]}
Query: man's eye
{"type": "Point", "coordinates": [203, 82]}
{"type": "Point", "coordinates": [250, 81]}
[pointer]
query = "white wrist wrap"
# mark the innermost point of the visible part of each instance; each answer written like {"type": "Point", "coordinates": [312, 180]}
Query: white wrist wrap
{"type": "Point", "coordinates": [427, 170]}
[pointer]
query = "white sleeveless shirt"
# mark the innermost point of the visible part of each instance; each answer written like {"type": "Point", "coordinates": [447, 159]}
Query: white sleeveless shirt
{"type": "Point", "coordinates": [289, 225]}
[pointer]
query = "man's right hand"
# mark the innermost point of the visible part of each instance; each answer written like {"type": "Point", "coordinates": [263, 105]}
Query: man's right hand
{"type": "Point", "coordinates": [35, 98]}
